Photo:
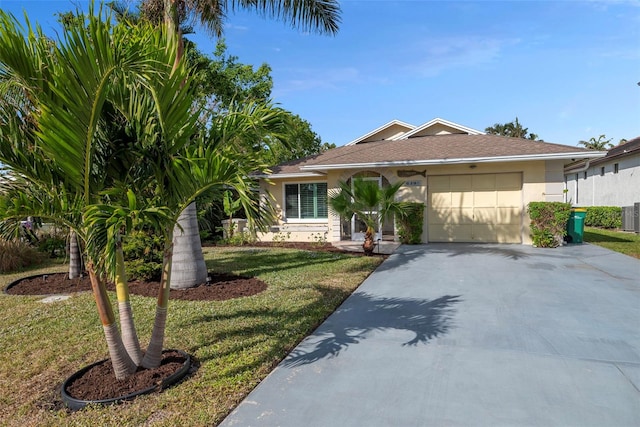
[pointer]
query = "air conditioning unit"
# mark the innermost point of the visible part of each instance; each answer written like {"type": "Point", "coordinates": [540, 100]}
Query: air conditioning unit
{"type": "Point", "coordinates": [627, 218]}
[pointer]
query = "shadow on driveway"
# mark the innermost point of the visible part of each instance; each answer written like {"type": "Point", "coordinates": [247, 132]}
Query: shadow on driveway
{"type": "Point", "coordinates": [363, 314]}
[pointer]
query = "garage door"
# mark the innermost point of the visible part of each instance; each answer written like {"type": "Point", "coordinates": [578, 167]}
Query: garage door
{"type": "Point", "coordinates": [475, 208]}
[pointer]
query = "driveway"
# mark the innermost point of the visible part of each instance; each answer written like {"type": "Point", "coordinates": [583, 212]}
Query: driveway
{"type": "Point", "coordinates": [469, 335]}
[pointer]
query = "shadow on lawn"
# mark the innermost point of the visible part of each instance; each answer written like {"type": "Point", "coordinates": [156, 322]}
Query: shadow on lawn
{"type": "Point", "coordinates": [599, 237]}
{"type": "Point", "coordinates": [363, 314]}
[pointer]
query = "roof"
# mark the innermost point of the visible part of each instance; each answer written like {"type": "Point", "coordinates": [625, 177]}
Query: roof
{"type": "Point", "coordinates": [432, 150]}
{"type": "Point", "coordinates": [629, 148]}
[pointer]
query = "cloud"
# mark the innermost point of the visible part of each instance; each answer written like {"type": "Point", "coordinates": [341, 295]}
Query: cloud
{"type": "Point", "coordinates": [308, 79]}
{"type": "Point", "coordinates": [433, 56]}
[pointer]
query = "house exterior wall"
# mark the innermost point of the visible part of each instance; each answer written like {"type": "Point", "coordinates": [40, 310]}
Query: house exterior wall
{"type": "Point", "coordinates": [541, 181]}
{"type": "Point", "coordinates": [593, 188]}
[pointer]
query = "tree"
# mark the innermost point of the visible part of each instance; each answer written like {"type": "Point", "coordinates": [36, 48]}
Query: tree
{"type": "Point", "coordinates": [512, 129]}
{"type": "Point", "coordinates": [370, 203]}
{"type": "Point", "coordinates": [600, 144]}
{"type": "Point", "coordinates": [62, 105]}
{"type": "Point", "coordinates": [316, 15]}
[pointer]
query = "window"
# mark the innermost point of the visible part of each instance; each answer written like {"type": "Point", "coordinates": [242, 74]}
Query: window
{"type": "Point", "coordinates": [306, 201]}
{"type": "Point", "coordinates": [602, 171]}
{"type": "Point", "coordinates": [615, 168]}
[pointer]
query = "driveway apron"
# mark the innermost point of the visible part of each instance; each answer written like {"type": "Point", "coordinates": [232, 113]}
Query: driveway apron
{"type": "Point", "coordinates": [469, 335]}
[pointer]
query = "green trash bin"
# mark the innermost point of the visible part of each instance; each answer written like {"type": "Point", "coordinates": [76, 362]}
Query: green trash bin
{"type": "Point", "coordinates": [575, 226]}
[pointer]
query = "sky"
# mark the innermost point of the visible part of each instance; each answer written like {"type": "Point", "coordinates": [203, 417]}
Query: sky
{"type": "Point", "coordinates": [569, 70]}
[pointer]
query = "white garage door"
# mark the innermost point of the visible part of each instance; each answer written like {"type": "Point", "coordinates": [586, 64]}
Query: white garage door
{"type": "Point", "coordinates": [475, 208]}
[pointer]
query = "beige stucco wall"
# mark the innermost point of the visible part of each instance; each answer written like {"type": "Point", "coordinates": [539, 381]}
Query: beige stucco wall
{"type": "Point", "coordinates": [541, 181]}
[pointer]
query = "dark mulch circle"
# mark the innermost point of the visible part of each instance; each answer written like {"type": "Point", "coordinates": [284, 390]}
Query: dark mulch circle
{"type": "Point", "coordinates": [99, 382]}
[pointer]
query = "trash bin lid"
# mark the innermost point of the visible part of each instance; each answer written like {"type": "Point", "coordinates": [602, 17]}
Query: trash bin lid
{"type": "Point", "coordinates": [579, 209]}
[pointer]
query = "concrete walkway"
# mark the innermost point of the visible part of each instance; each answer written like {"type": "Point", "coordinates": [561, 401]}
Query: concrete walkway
{"type": "Point", "coordinates": [469, 335]}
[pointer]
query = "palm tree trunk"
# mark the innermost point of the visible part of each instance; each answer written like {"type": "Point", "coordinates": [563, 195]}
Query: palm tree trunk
{"type": "Point", "coordinates": [75, 260]}
{"type": "Point", "coordinates": [123, 366]}
{"type": "Point", "coordinates": [188, 268]}
{"type": "Point", "coordinates": [129, 334]}
{"type": "Point", "coordinates": [153, 355]}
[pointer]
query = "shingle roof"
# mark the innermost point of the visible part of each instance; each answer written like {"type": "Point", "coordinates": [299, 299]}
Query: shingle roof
{"type": "Point", "coordinates": [442, 149]}
{"type": "Point", "coordinates": [628, 148]}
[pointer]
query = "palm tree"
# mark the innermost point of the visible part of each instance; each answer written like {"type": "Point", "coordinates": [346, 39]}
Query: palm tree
{"type": "Point", "coordinates": [600, 144]}
{"type": "Point", "coordinates": [53, 136]}
{"type": "Point", "coordinates": [322, 16]}
{"type": "Point", "coordinates": [370, 203]}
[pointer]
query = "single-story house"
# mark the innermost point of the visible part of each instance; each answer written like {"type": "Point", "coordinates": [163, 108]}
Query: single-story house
{"type": "Point", "coordinates": [475, 187]}
{"type": "Point", "coordinates": [612, 180]}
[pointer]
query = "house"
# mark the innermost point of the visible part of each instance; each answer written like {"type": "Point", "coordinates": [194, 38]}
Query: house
{"type": "Point", "coordinates": [475, 187]}
{"type": "Point", "coordinates": [612, 180]}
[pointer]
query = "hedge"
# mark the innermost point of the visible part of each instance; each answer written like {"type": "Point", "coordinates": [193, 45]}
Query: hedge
{"type": "Point", "coordinates": [604, 216]}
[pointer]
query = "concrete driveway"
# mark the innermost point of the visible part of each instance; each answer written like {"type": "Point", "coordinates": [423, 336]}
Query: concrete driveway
{"type": "Point", "coordinates": [469, 335]}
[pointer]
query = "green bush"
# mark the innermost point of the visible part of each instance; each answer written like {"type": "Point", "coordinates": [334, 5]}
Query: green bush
{"type": "Point", "coordinates": [15, 255]}
{"type": "Point", "coordinates": [53, 244]}
{"type": "Point", "coordinates": [604, 217]}
{"type": "Point", "coordinates": [143, 255]}
{"type": "Point", "coordinates": [548, 223]}
{"type": "Point", "coordinates": [410, 224]}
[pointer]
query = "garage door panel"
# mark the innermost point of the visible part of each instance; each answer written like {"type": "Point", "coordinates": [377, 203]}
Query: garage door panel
{"type": "Point", "coordinates": [484, 182]}
{"type": "Point", "coordinates": [439, 183]}
{"type": "Point", "coordinates": [463, 199]}
{"type": "Point", "coordinates": [440, 200]}
{"type": "Point", "coordinates": [484, 199]}
{"type": "Point", "coordinates": [439, 216]}
{"type": "Point", "coordinates": [475, 208]}
{"type": "Point", "coordinates": [460, 183]}
{"type": "Point", "coordinates": [462, 216]}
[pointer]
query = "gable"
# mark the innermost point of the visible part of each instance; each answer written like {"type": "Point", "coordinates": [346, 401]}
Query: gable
{"type": "Point", "coordinates": [389, 131]}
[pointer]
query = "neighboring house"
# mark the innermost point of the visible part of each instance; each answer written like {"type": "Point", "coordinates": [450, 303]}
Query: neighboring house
{"type": "Point", "coordinates": [613, 180]}
{"type": "Point", "coordinates": [475, 187]}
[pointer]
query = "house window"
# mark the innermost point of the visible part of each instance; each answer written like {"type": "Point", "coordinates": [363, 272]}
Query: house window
{"type": "Point", "coordinates": [615, 168]}
{"type": "Point", "coordinates": [306, 201]}
{"type": "Point", "coordinates": [602, 171]}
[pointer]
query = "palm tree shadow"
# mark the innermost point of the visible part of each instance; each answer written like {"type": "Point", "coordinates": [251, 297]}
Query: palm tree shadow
{"type": "Point", "coordinates": [363, 314]}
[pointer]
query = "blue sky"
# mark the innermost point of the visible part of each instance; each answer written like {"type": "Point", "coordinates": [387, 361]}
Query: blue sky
{"type": "Point", "coordinates": [569, 70]}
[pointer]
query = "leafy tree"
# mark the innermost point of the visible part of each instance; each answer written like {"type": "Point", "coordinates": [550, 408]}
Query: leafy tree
{"type": "Point", "coordinates": [512, 129]}
{"type": "Point", "coordinates": [599, 144]}
{"type": "Point", "coordinates": [370, 203]}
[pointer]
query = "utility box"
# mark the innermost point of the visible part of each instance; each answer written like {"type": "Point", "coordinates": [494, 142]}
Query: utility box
{"type": "Point", "coordinates": [575, 226]}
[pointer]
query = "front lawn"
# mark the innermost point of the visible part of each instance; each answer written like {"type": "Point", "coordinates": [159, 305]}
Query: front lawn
{"type": "Point", "coordinates": [236, 342]}
{"type": "Point", "coordinates": [625, 243]}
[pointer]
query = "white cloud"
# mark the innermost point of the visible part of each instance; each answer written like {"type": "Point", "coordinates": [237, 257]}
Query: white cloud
{"type": "Point", "coordinates": [433, 56]}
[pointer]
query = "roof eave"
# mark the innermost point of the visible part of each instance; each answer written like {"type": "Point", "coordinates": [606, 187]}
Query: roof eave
{"type": "Point", "coordinates": [449, 161]}
{"type": "Point", "coordinates": [314, 174]}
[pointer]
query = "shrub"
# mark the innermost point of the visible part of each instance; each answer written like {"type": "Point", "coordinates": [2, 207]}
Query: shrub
{"type": "Point", "coordinates": [604, 216]}
{"type": "Point", "coordinates": [143, 255]}
{"type": "Point", "coordinates": [16, 255]}
{"type": "Point", "coordinates": [53, 244]}
{"type": "Point", "coordinates": [410, 224]}
{"type": "Point", "coordinates": [548, 223]}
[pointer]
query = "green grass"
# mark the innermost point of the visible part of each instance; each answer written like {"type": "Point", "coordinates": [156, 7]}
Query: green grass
{"type": "Point", "coordinates": [625, 243]}
{"type": "Point", "coordinates": [237, 342]}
